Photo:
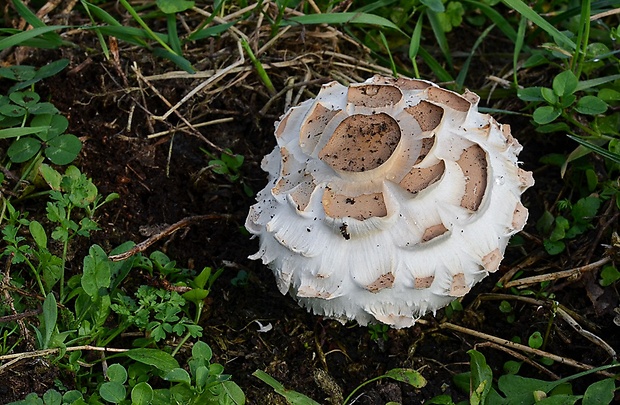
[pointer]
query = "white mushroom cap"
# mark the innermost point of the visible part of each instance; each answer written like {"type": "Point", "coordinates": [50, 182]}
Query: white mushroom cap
{"type": "Point", "coordinates": [387, 199]}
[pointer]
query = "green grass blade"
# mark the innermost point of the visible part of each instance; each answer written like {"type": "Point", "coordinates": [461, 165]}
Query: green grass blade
{"type": "Point", "coordinates": [178, 60]}
{"type": "Point", "coordinates": [601, 151]}
{"type": "Point", "coordinates": [102, 43]}
{"type": "Point", "coordinates": [33, 20]}
{"type": "Point", "coordinates": [129, 34]}
{"type": "Point", "coordinates": [389, 52]}
{"type": "Point", "coordinates": [517, 51]}
{"type": "Point", "coordinates": [18, 39]}
{"type": "Point", "coordinates": [173, 34]}
{"type": "Point", "coordinates": [587, 84]}
{"type": "Point", "coordinates": [440, 36]}
{"type": "Point", "coordinates": [101, 14]}
{"type": "Point", "coordinates": [210, 32]}
{"type": "Point", "coordinates": [414, 45]}
{"type": "Point", "coordinates": [15, 132]}
{"type": "Point", "coordinates": [460, 79]}
{"type": "Point", "coordinates": [342, 18]}
{"type": "Point", "coordinates": [145, 27]}
{"type": "Point", "coordinates": [522, 8]}
{"type": "Point", "coordinates": [441, 73]}
{"type": "Point", "coordinates": [502, 24]}
{"type": "Point", "coordinates": [27, 15]}
{"type": "Point", "coordinates": [262, 74]}
{"type": "Point", "coordinates": [375, 5]}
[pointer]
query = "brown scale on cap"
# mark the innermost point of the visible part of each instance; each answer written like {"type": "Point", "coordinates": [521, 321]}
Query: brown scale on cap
{"type": "Point", "coordinates": [491, 260]}
{"type": "Point", "coordinates": [433, 232]}
{"type": "Point", "coordinates": [361, 143]}
{"type": "Point", "coordinates": [373, 96]}
{"type": "Point", "coordinates": [428, 115]}
{"type": "Point", "coordinates": [361, 207]}
{"type": "Point", "coordinates": [473, 163]}
{"type": "Point", "coordinates": [421, 283]}
{"type": "Point", "coordinates": [458, 287]}
{"type": "Point", "coordinates": [448, 98]}
{"type": "Point", "coordinates": [384, 281]}
{"type": "Point", "coordinates": [519, 216]}
{"type": "Point", "coordinates": [315, 124]}
{"type": "Point", "coordinates": [420, 178]}
{"type": "Point", "coordinates": [301, 195]}
{"type": "Point", "coordinates": [280, 130]}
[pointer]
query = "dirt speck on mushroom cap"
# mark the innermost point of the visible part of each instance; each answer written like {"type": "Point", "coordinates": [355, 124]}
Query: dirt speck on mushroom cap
{"type": "Point", "coordinates": [383, 202]}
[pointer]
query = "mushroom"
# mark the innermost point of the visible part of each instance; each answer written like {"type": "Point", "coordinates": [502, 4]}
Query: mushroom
{"type": "Point", "coordinates": [387, 200]}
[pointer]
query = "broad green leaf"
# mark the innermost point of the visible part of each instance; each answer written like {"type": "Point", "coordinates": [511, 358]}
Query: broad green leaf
{"type": "Point", "coordinates": [535, 340]}
{"type": "Point", "coordinates": [554, 247]}
{"type": "Point", "coordinates": [201, 376]}
{"type": "Point", "coordinates": [23, 149]}
{"type": "Point", "coordinates": [202, 351]}
{"type": "Point", "coordinates": [591, 105]}
{"type": "Point", "coordinates": [600, 393]}
{"type": "Point", "coordinates": [52, 397]}
{"type": "Point", "coordinates": [96, 271]}
{"type": "Point", "coordinates": [565, 83]}
{"type": "Point", "coordinates": [38, 234]}
{"type": "Point", "coordinates": [481, 376]}
{"type": "Point", "coordinates": [530, 94]}
{"type": "Point", "coordinates": [409, 376]}
{"type": "Point", "coordinates": [51, 176]}
{"type": "Point", "coordinates": [142, 394]}
{"type": "Point", "coordinates": [174, 6]}
{"type": "Point", "coordinates": [12, 110]}
{"type": "Point", "coordinates": [50, 316]}
{"type": "Point", "coordinates": [43, 108]}
{"type": "Point", "coordinates": [117, 372]}
{"type": "Point", "coordinates": [178, 375]}
{"type": "Point", "coordinates": [57, 124]}
{"type": "Point", "coordinates": [196, 295]}
{"type": "Point", "coordinates": [153, 357]}
{"type": "Point", "coordinates": [63, 149]}
{"type": "Point", "coordinates": [293, 397]}
{"type": "Point", "coordinates": [112, 391]}
{"type": "Point", "coordinates": [608, 95]}
{"type": "Point", "coordinates": [24, 98]}
{"type": "Point", "coordinates": [546, 114]}
{"type": "Point", "coordinates": [585, 209]}
{"type": "Point", "coordinates": [19, 73]}
{"type": "Point", "coordinates": [549, 95]}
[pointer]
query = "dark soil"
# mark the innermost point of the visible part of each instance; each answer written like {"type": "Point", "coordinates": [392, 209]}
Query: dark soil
{"type": "Point", "coordinates": [163, 180]}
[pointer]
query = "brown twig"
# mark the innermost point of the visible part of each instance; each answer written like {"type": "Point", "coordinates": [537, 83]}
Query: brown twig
{"type": "Point", "coordinates": [142, 246]}
{"type": "Point", "coordinates": [519, 356]}
{"type": "Point", "coordinates": [520, 347]}
{"type": "Point", "coordinates": [577, 271]}
{"type": "Point", "coordinates": [15, 357]}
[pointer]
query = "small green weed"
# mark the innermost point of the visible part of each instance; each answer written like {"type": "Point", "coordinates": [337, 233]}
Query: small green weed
{"type": "Point", "coordinates": [378, 331]}
{"type": "Point", "coordinates": [578, 219]}
{"type": "Point", "coordinates": [404, 375]}
{"type": "Point", "coordinates": [479, 384]}
{"type": "Point", "coordinates": [37, 125]}
{"type": "Point", "coordinates": [205, 382]}
{"type": "Point", "coordinates": [228, 165]}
